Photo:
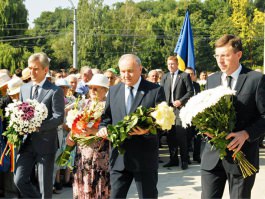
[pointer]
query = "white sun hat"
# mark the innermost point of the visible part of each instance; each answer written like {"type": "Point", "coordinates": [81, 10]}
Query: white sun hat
{"type": "Point", "coordinates": [4, 78]}
{"type": "Point", "coordinates": [99, 80]}
{"type": "Point", "coordinates": [62, 82]}
{"type": "Point", "coordinates": [25, 73]}
{"type": "Point", "coordinates": [14, 86]}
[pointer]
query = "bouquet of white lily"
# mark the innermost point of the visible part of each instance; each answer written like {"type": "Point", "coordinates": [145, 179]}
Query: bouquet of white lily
{"type": "Point", "coordinates": [212, 111]}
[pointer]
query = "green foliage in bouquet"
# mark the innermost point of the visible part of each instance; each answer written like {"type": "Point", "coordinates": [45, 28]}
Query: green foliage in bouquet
{"type": "Point", "coordinates": [141, 118]}
{"type": "Point", "coordinates": [217, 120]}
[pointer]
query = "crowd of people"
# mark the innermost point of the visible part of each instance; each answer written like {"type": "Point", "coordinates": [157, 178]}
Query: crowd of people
{"type": "Point", "coordinates": [100, 171]}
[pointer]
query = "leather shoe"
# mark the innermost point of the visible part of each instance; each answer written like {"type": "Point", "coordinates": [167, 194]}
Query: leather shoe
{"type": "Point", "coordinates": [262, 146]}
{"type": "Point", "coordinates": [184, 165]}
{"type": "Point", "coordinates": [197, 159]}
{"type": "Point", "coordinates": [171, 164]}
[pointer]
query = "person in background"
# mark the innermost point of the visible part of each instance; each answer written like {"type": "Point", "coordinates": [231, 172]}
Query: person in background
{"type": "Point", "coordinates": [6, 178]}
{"type": "Point", "coordinates": [192, 133]}
{"type": "Point", "coordinates": [178, 89]}
{"type": "Point", "coordinates": [72, 81]}
{"type": "Point", "coordinates": [250, 123]}
{"type": "Point", "coordinates": [18, 73]}
{"type": "Point", "coordinates": [160, 75]}
{"type": "Point", "coordinates": [140, 161]}
{"type": "Point", "coordinates": [86, 75]}
{"type": "Point", "coordinates": [40, 147]}
{"type": "Point", "coordinates": [153, 76]}
{"type": "Point", "coordinates": [111, 77]}
{"type": "Point", "coordinates": [26, 75]}
{"type": "Point", "coordinates": [91, 175]}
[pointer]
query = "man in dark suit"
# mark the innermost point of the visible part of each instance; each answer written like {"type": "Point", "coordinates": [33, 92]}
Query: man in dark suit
{"type": "Point", "coordinates": [40, 147]}
{"type": "Point", "coordinates": [192, 133]}
{"type": "Point", "coordinates": [250, 123]}
{"type": "Point", "coordinates": [178, 89]}
{"type": "Point", "coordinates": [140, 160]}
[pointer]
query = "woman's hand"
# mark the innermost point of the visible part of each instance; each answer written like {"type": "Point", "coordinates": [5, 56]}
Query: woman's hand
{"type": "Point", "coordinates": [90, 131]}
{"type": "Point", "coordinates": [69, 140]}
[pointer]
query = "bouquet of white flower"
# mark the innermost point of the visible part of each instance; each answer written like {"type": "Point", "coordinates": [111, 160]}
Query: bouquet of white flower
{"type": "Point", "coordinates": [162, 116]}
{"type": "Point", "coordinates": [24, 118]}
{"type": "Point", "coordinates": [212, 111]}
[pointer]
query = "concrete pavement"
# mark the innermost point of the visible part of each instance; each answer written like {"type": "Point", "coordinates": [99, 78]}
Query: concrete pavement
{"type": "Point", "coordinates": [174, 183]}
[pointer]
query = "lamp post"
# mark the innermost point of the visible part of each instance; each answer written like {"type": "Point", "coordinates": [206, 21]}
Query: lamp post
{"type": "Point", "coordinates": [75, 36]}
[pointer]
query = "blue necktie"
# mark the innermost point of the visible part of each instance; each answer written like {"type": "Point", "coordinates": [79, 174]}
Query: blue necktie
{"type": "Point", "coordinates": [129, 100]}
{"type": "Point", "coordinates": [229, 81]}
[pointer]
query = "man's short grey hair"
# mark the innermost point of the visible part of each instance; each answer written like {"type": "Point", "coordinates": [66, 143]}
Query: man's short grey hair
{"type": "Point", "coordinates": [71, 76]}
{"type": "Point", "coordinates": [41, 57]}
{"type": "Point", "coordinates": [150, 72]}
{"type": "Point", "coordinates": [126, 56]}
{"type": "Point", "coordinates": [83, 69]}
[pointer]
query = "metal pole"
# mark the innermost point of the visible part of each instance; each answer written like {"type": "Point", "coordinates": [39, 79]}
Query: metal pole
{"type": "Point", "coordinates": [75, 62]}
{"type": "Point", "coordinates": [75, 41]}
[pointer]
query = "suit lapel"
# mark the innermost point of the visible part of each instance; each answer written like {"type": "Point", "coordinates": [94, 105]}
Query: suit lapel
{"type": "Point", "coordinates": [177, 80]}
{"type": "Point", "coordinates": [139, 96]}
{"type": "Point", "coordinates": [121, 100]}
{"type": "Point", "coordinates": [240, 81]}
{"type": "Point", "coordinates": [45, 89]}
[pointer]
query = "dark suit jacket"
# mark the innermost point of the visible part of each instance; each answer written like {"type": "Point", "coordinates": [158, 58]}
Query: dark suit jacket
{"type": "Point", "coordinates": [46, 140]}
{"type": "Point", "coordinates": [183, 90]}
{"type": "Point", "coordinates": [141, 152]}
{"type": "Point", "coordinates": [196, 87]}
{"type": "Point", "coordinates": [249, 103]}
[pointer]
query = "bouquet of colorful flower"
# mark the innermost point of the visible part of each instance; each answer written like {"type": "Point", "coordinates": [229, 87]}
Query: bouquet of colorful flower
{"type": "Point", "coordinates": [162, 117]}
{"type": "Point", "coordinates": [79, 122]}
{"type": "Point", "coordinates": [24, 118]}
{"type": "Point", "coordinates": [212, 111]}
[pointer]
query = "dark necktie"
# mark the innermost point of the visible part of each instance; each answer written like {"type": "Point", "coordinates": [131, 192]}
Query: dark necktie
{"type": "Point", "coordinates": [229, 81]}
{"type": "Point", "coordinates": [36, 92]}
{"type": "Point", "coordinates": [129, 100]}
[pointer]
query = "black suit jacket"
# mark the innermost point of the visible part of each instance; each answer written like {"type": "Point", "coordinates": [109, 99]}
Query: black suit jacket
{"type": "Point", "coordinates": [183, 90]}
{"type": "Point", "coordinates": [249, 104]}
{"type": "Point", "coordinates": [141, 152]}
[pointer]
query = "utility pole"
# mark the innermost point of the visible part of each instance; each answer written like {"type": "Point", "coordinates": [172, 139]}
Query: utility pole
{"type": "Point", "coordinates": [75, 63]}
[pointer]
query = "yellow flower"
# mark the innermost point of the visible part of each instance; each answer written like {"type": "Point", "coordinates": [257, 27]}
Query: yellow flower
{"type": "Point", "coordinates": [164, 116]}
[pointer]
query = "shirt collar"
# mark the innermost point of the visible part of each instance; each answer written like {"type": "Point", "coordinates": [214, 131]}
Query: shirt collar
{"type": "Point", "coordinates": [41, 83]}
{"type": "Point", "coordinates": [235, 74]}
{"type": "Point", "coordinates": [136, 86]}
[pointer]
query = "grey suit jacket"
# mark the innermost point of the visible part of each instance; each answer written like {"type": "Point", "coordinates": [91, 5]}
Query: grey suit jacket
{"type": "Point", "coordinates": [46, 140]}
{"type": "Point", "coordinates": [249, 104]}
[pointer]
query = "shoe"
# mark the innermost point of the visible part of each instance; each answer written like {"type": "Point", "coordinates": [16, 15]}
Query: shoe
{"type": "Point", "coordinates": [58, 185]}
{"type": "Point", "coordinates": [262, 146]}
{"type": "Point", "coordinates": [184, 165]}
{"type": "Point", "coordinates": [189, 162]}
{"type": "Point", "coordinates": [54, 191]}
{"type": "Point", "coordinates": [197, 159]}
{"type": "Point", "coordinates": [171, 164]}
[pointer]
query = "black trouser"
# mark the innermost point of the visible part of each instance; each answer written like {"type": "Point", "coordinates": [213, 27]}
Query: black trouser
{"type": "Point", "coordinates": [192, 135]}
{"type": "Point", "coordinates": [177, 138]}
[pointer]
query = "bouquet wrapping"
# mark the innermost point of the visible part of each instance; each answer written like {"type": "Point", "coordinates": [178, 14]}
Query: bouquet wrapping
{"type": "Point", "coordinates": [162, 116]}
{"type": "Point", "coordinates": [24, 118]}
{"type": "Point", "coordinates": [79, 122]}
{"type": "Point", "coordinates": [212, 111]}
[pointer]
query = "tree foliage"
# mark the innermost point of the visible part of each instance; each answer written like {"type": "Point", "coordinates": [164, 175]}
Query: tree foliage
{"type": "Point", "coordinates": [148, 28]}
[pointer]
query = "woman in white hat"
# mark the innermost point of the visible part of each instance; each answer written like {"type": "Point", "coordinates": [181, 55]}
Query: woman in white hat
{"type": "Point", "coordinates": [91, 176]}
{"type": "Point", "coordinates": [4, 78]}
{"type": "Point", "coordinates": [13, 88]}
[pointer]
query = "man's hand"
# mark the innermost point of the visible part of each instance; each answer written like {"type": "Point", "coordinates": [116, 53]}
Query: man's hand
{"type": "Point", "coordinates": [138, 131]}
{"type": "Point", "coordinates": [103, 132]}
{"type": "Point", "coordinates": [177, 103]}
{"type": "Point", "coordinates": [239, 139]}
{"type": "Point", "coordinates": [208, 134]}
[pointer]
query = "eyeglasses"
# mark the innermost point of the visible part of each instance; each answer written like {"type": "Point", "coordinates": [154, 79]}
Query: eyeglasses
{"type": "Point", "coordinates": [223, 56]}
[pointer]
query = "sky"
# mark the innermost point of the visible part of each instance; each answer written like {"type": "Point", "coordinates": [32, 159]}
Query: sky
{"type": "Point", "coordinates": [35, 7]}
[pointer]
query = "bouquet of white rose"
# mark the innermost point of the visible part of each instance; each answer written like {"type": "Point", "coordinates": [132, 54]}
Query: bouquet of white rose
{"type": "Point", "coordinates": [212, 111]}
{"type": "Point", "coordinates": [24, 118]}
{"type": "Point", "coordinates": [162, 116]}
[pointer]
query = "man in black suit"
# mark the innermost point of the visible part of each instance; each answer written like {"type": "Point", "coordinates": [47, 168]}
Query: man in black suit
{"type": "Point", "coordinates": [178, 89]}
{"type": "Point", "coordinates": [140, 160]}
{"type": "Point", "coordinates": [250, 123]}
{"type": "Point", "coordinates": [192, 133]}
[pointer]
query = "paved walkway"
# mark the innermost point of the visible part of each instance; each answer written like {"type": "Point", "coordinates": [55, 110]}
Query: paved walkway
{"type": "Point", "coordinates": [175, 183]}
